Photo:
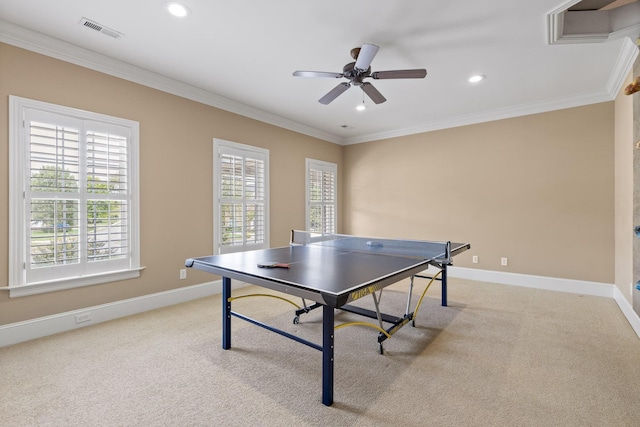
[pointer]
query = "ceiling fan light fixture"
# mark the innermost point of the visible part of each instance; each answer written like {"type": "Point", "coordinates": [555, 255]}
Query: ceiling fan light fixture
{"type": "Point", "coordinates": [177, 9]}
{"type": "Point", "coordinates": [477, 78]}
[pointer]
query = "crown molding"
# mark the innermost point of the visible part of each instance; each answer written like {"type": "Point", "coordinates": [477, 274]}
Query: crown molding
{"type": "Point", "coordinates": [58, 49]}
{"type": "Point", "coordinates": [39, 43]}
{"type": "Point", "coordinates": [624, 64]}
{"type": "Point", "coordinates": [489, 116]}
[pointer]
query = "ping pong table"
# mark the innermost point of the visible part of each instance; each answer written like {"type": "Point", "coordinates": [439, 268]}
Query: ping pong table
{"type": "Point", "coordinates": [331, 271]}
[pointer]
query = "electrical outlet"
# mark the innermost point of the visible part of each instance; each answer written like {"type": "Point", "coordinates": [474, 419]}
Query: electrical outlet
{"type": "Point", "coordinates": [183, 273]}
{"type": "Point", "coordinates": [474, 259]}
{"type": "Point", "coordinates": [504, 261]}
{"type": "Point", "coordinates": [83, 317]}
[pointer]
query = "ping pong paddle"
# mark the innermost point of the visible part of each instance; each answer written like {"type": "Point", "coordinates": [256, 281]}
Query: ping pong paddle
{"type": "Point", "coordinates": [273, 265]}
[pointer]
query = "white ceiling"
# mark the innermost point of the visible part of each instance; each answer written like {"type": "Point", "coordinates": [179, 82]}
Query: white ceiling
{"type": "Point", "coordinates": [240, 56]}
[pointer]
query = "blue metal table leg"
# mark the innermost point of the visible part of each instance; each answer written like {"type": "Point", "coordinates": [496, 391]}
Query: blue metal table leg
{"type": "Point", "coordinates": [444, 285]}
{"type": "Point", "coordinates": [327, 355]}
{"type": "Point", "coordinates": [226, 313]}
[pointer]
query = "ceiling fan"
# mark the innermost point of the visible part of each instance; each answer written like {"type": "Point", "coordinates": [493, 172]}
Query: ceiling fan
{"type": "Point", "coordinates": [359, 70]}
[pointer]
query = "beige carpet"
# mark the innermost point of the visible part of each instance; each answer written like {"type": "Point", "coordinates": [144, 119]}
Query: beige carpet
{"type": "Point", "coordinates": [497, 356]}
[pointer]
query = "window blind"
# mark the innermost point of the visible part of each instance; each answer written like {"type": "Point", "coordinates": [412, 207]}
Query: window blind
{"type": "Point", "coordinates": [107, 188]}
{"type": "Point", "coordinates": [322, 202]}
{"type": "Point", "coordinates": [77, 197]}
{"type": "Point", "coordinates": [54, 168]}
{"type": "Point", "coordinates": [242, 199]}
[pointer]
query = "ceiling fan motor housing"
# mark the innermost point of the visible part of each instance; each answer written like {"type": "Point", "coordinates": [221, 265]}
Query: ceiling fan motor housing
{"type": "Point", "coordinates": [354, 75]}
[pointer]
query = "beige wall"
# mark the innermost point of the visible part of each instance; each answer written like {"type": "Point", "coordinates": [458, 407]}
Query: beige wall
{"type": "Point", "coordinates": [632, 107]}
{"type": "Point", "coordinates": [176, 155]}
{"type": "Point", "coordinates": [624, 192]}
{"type": "Point", "coordinates": [537, 189]}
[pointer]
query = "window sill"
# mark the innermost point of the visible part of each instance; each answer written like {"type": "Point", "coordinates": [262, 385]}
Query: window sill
{"type": "Point", "coordinates": [77, 282]}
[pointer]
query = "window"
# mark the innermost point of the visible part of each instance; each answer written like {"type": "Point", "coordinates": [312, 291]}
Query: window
{"type": "Point", "coordinates": [322, 205]}
{"type": "Point", "coordinates": [73, 198]}
{"type": "Point", "coordinates": [241, 189]}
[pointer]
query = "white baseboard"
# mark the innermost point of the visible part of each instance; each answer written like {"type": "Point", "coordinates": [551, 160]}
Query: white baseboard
{"type": "Point", "coordinates": [14, 333]}
{"type": "Point", "coordinates": [536, 282]}
{"type": "Point", "coordinates": [553, 284]}
{"type": "Point", "coordinates": [627, 310]}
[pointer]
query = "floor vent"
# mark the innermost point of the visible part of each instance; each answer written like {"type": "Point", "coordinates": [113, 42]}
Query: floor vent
{"type": "Point", "coordinates": [100, 28]}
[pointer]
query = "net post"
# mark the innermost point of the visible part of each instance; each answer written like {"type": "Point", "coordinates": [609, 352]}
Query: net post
{"type": "Point", "coordinates": [299, 238]}
{"type": "Point", "coordinates": [446, 262]}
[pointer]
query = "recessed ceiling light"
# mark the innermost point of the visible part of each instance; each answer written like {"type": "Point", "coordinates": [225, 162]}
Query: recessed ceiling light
{"type": "Point", "coordinates": [177, 9]}
{"type": "Point", "coordinates": [476, 79]}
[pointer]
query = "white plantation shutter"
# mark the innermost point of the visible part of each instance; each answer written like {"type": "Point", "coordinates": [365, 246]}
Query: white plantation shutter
{"type": "Point", "coordinates": [107, 195]}
{"type": "Point", "coordinates": [53, 191]}
{"type": "Point", "coordinates": [322, 202]}
{"type": "Point", "coordinates": [74, 196]}
{"type": "Point", "coordinates": [241, 186]}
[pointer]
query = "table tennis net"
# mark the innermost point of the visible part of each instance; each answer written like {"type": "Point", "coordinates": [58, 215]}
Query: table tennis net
{"type": "Point", "coordinates": [400, 247]}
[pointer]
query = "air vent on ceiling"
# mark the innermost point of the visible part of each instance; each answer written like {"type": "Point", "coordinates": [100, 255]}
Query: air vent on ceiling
{"type": "Point", "coordinates": [100, 28]}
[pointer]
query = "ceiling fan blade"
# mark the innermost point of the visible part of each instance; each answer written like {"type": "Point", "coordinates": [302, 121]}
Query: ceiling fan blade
{"type": "Point", "coordinates": [400, 74]}
{"type": "Point", "coordinates": [373, 93]}
{"type": "Point", "coordinates": [334, 93]}
{"type": "Point", "coordinates": [366, 55]}
{"type": "Point", "coordinates": [317, 74]}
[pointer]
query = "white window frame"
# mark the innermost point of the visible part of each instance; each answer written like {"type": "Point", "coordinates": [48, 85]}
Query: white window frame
{"type": "Point", "coordinates": [312, 164]}
{"type": "Point", "coordinates": [91, 273]}
{"type": "Point", "coordinates": [223, 147]}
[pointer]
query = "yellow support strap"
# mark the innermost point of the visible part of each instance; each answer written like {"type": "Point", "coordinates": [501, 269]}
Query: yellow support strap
{"type": "Point", "coordinates": [265, 295]}
{"type": "Point", "coordinates": [371, 325]}
{"type": "Point", "coordinates": [415, 312]}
